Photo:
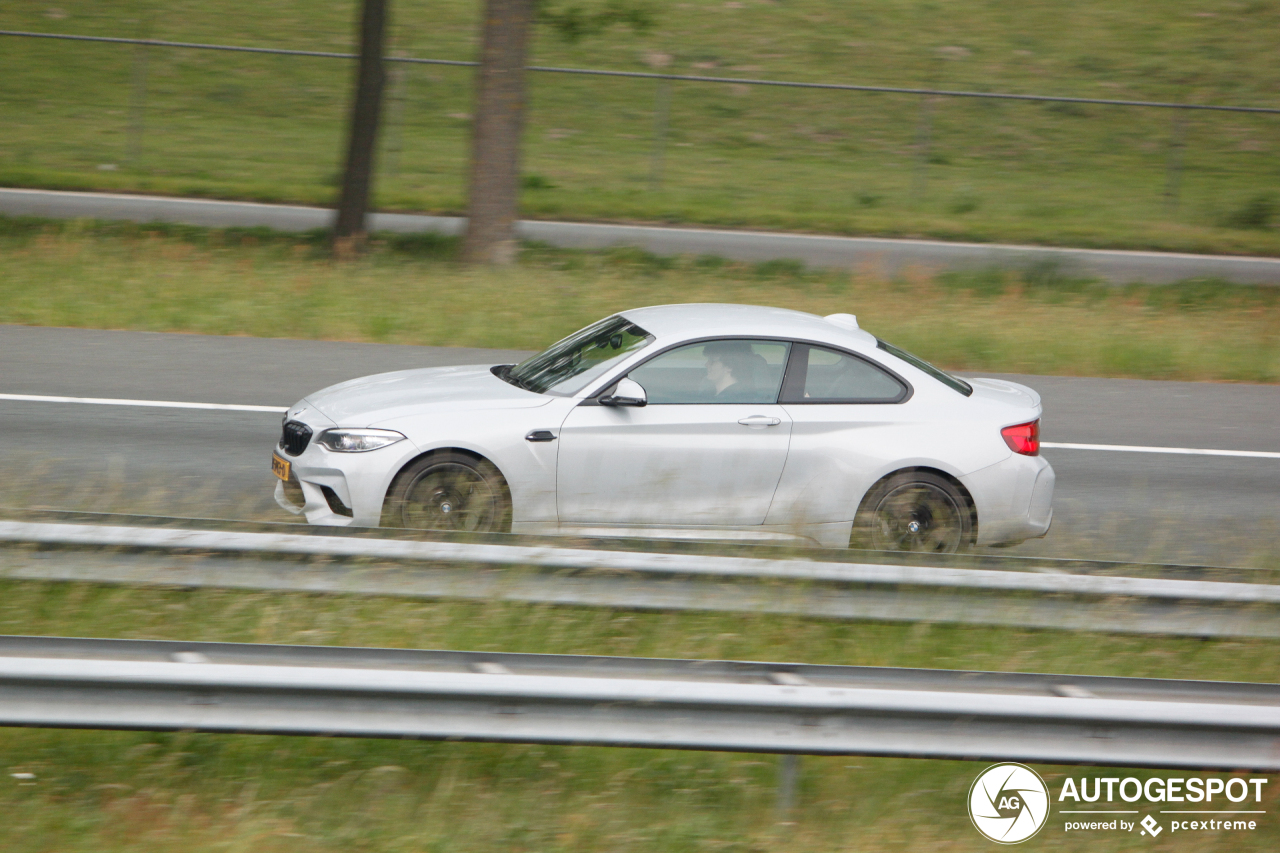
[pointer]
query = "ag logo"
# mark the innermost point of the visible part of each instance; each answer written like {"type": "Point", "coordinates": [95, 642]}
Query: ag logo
{"type": "Point", "coordinates": [1008, 803]}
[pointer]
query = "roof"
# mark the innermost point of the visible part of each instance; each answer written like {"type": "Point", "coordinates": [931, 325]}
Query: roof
{"type": "Point", "coordinates": [670, 323]}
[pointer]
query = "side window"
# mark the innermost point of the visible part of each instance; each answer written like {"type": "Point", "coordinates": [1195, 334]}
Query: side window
{"type": "Point", "coordinates": [820, 375]}
{"type": "Point", "coordinates": [715, 372]}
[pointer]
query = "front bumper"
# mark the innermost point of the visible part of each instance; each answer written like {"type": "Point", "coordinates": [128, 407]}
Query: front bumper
{"type": "Point", "coordinates": [339, 489]}
{"type": "Point", "coordinates": [300, 498]}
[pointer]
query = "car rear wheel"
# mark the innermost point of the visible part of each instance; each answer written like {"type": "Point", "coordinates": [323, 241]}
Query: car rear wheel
{"type": "Point", "coordinates": [450, 491]}
{"type": "Point", "coordinates": [914, 511]}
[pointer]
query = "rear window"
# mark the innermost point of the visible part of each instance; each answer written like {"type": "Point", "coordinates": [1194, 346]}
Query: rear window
{"type": "Point", "coordinates": [820, 375]}
{"type": "Point", "coordinates": [953, 382]}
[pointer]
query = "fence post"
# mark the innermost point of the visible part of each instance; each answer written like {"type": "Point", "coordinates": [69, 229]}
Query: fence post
{"type": "Point", "coordinates": [923, 133]}
{"type": "Point", "coordinates": [661, 113]}
{"type": "Point", "coordinates": [1173, 169]}
{"type": "Point", "coordinates": [138, 96]}
{"type": "Point", "coordinates": [397, 84]}
{"type": "Point", "coordinates": [788, 778]}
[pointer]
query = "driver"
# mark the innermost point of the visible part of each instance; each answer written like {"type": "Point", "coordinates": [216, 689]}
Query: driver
{"type": "Point", "coordinates": [731, 368]}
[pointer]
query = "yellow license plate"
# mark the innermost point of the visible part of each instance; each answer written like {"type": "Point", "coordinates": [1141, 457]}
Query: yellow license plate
{"type": "Point", "coordinates": [280, 467]}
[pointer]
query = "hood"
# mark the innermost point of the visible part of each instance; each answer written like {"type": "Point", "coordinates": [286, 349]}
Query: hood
{"type": "Point", "coordinates": [371, 399]}
{"type": "Point", "coordinates": [1003, 391]}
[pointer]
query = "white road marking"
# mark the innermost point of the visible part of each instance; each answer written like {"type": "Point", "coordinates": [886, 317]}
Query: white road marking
{"type": "Point", "coordinates": [230, 407]}
{"type": "Point", "coordinates": [1179, 451]}
{"type": "Point", "coordinates": [155, 404]}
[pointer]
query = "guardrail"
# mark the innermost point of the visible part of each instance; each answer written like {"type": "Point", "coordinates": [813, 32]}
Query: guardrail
{"type": "Point", "coordinates": [671, 704]}
{"type": "Point", "coordinates": [1034, 596]}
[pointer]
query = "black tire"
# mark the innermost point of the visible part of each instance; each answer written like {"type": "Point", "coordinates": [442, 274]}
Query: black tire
{"type": "Point", "coordinates": [914, 511]}
{"type": "Point", "coordinates": [449, 491]}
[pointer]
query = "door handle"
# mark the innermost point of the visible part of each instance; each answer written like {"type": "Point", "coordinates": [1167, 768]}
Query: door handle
{"type": "Point", "coordinates": [759, 421]}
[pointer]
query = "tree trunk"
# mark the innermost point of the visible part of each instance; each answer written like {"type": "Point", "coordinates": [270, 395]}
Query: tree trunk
{"type": "Point", "coordinates": [353, 203]}
{"type": "Point", "coordinates": [495, 146]}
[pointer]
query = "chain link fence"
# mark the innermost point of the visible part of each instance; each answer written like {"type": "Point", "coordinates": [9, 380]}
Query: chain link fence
{"type": "Point", "coordinates": [645, 161]}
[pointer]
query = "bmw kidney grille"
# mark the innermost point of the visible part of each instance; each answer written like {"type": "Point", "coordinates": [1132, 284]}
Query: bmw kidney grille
{"type": "Point", "coordinates": [295, 437]}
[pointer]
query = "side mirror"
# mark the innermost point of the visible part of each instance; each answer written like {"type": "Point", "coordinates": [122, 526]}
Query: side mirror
{"type": "Point", "coordinates": [627, 392]}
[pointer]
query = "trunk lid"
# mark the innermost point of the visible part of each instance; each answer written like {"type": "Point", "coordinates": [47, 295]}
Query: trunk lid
{"type": "Point", "coordinates": [1006, 392]}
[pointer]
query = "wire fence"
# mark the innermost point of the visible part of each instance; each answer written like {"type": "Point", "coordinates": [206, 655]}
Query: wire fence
{"type": "Point", "coordinates": [652, 75]}
{"type": "Point", "coordinates": [922, 146]}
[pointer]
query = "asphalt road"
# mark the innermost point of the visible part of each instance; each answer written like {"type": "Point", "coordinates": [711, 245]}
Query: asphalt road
{"type": "Point", "coordinates": [198, 462]}
{"type": "Point", "coordinates": [873, 255]}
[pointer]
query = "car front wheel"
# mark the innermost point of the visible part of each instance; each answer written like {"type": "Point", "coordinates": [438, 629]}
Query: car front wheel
{"type": "Point", "coordinates": [449, 491]}
{"type": "Point", "coordinates": [914, 511]}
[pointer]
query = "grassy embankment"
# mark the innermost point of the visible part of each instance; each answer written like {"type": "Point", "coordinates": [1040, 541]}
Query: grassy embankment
{"type": "Point", "coordinates": [410, 291]}
{"type": "Point", "coordinates": [97, 792]}
{"type": "Point", "coordinates": [106, 792]}
{"type": "Point", "coordinates": [263, 127]}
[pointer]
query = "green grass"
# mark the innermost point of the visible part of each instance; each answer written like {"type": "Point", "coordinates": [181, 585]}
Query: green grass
{"type": "Point", "coordinates": [409, 290]}
{"type": "Point", "coordinates": [141, 792]}
{"type": "Point", "coordinates": [270, 128]}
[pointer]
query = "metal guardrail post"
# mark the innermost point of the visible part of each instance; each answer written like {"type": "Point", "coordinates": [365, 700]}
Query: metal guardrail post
{"type": "Point", "coordinates": [661, 115]}
{"type": "Point", "coordinates": [788, 782]}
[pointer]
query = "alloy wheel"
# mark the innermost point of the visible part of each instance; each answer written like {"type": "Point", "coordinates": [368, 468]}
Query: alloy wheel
{"type": "Point", "coordinates": [452, 497]}
{"type": "Point", "coordinates": [917, 517]}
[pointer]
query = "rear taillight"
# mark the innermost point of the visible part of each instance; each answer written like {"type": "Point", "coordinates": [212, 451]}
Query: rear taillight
{"type": "Point", "coordinates": [1023, 438]}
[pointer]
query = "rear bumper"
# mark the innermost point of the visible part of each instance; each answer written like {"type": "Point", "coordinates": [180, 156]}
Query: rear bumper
{"type": "Point", "coordinates": [1014, 499]}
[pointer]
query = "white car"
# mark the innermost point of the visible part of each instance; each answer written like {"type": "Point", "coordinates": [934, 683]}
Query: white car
{"type": "Point", "coordinates": [725, 422]}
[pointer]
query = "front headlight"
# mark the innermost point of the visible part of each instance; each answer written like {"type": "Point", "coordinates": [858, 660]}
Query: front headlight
{"type": "Point", "coordinates": [358, 440]}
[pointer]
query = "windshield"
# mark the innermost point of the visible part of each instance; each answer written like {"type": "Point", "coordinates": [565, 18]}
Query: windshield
{"type": "Point", "coordinates": [566, 367]}
{"type": "Point", "coordinates": [916, 361]}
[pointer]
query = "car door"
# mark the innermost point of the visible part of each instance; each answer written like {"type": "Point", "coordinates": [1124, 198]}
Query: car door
{"type": "Point", "coordinates": [848, 423]}
{"type": "Point", "coordinates": [707, 450]}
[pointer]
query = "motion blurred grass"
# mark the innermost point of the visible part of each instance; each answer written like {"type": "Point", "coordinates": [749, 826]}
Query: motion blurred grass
{"type": "Point", "coordinates": [409, 290]}
{"type": "Point", "coordinates": [102, 792]}
{"type": "Point", "coordinates": [270, 127]}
